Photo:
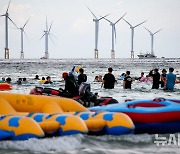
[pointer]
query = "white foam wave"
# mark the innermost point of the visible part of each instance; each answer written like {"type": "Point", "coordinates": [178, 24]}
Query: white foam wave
{"type": "Point", "coordinates": [140, 138]}
{"type": "Point", "coordinates": [47, 145]}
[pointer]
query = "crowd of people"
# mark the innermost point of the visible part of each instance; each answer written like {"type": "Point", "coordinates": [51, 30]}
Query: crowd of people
{"type": "Point", "coordinates": [74, 79]}
{"type": "Point", "coordinates": [166, 80]}
{"type": "Point", "coordinates": [24, 80]}
{"type": "Point", "coordinates": [9, 80]}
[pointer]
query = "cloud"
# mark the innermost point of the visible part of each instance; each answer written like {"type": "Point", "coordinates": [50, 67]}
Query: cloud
{"type": "Point", "coordinates": [20, 12]}
{"type": "Point", "coordinates": [81, 26]}
{"type": "Point", "coordinates": [120, 3]}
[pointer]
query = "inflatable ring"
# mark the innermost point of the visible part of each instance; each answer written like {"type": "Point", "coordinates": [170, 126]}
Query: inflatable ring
{"type": "Point", "coordinates": [5, 86]}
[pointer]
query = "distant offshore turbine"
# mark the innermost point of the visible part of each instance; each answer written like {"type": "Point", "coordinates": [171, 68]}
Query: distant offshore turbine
{"type": "Point", "coordinates": [6, 15]}
{"type": "Point", "coordinates": [132, 35]}
{"type": "Point", "coordinates": [152, 39]}
{"type": "Point", "coordinates": [47, 35]}
{"type": "Point", "coordinates": [113, 34]}
{"type": "Point", "coordinates": [96, 20]}
{"type": "Point", "coordinates": [22, 32]}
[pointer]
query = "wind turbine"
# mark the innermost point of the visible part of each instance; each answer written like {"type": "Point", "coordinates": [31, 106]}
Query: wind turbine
{"type": "Point", "coordinates": [47, 34]}
{"type": "Point", "coordinates": [132, 35]}
{"type": "Point", "coordinates": [113, 34]}
{"type": "Point", "coordinates": [96, 21]}
{"type": "Point", "coordinates": [6, 15]}
{"type": "Point", "coordinates": [22, 32]}
{"type": "Point", "coordinates": [152, 39]}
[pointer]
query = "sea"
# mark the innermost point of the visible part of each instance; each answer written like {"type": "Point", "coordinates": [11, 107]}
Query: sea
{"type": "Point", "coordinates": [87, 144]}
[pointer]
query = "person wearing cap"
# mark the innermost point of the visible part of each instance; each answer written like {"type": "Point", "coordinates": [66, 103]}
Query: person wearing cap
{"type": "Point", "coordinates": [71, 86]}
{"type": "Point", "coordinates": [75, 72]}
{"type": "Point", "coordinates": [109, 79]}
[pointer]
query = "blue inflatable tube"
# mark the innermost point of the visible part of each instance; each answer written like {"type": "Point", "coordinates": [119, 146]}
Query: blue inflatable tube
{"type": "Point", "coordinates": [149, 116]}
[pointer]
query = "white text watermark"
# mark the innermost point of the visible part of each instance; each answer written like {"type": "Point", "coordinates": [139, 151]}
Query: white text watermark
{"type": "Point", "coordinates": [172, 139]}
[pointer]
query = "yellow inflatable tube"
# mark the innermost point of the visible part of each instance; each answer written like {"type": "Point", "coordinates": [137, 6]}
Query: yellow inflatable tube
{"type": "Point", "coordinates": [19, 128]}
{"type": "Point", "coordinates": [43, 104]}
{"type": "Point", "coordinates": [61, 124]}
{"type": "Point", "coordinates": [42, 81]}
{"type": "Point", "coordinates": [108, 122]}
{"type": "Point", "coordinates": [61, 110]}
{"type": "Point", "coordinates": [56, 123]}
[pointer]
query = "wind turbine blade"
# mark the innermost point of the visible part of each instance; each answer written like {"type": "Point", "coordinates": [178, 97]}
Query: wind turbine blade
{"type": "Point", "coordinates": [3, 15]}
{"type": "Point", "coordinates": [26, 35]}
{"type": "Point", "coordinates": [42, 36]}
{"type": "Point", "coordinates": [53, 35]}
{"type": "Point", "coordinates": [50, 27]}
{"type": "Point", "coordinates": [140, 23]}
{"type": "Point", "coordinates": [26, 23]}
{"type": "Point", "coordinates": [107, 20]}
{"type": "Point", "coordinates": [157, 31]}
{"type": "Point", "coordinates": [120, 19]}
{"type": "Point", "coordinates": [17, 28]}
{"type": "Point", "coordinates": [92, 13]}
{"type": "Point", "coordinates": [51, 39]}
{"type": "Point", "coordinates": [12, 22]}
{"type": "Point", "coordinates": [8, 6]}
{"type": "Point", "coordinates": [46, 24]}
{"type": "Point", "coordinates": [115, 32]}
{"type": "Point", "coordinates": [148, 30]}
{"type": "Point", "coordinates": [103, 16]}
{"type": "Point", "coordinates": [127, 22]}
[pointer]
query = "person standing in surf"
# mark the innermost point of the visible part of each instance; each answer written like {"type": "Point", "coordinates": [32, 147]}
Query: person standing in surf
{"type": "Point", "coordinates": [109, 80]}
{"type": "Point", "coordinates": [156, 79]}
{"type": "Point", "coordinates": [170, 80]}
{"type": "Point", "coordinates": [163, 78]}
{"type": "Point", "coordinates": [127, 81]}
{"type": "Point", "coordinates": [82, 77]}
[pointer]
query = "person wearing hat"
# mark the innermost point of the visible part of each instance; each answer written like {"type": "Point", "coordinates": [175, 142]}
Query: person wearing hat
{"type": "Point", "coordinates": [75, 72]}
{"type": "Point", "coordinates": [71, 86]}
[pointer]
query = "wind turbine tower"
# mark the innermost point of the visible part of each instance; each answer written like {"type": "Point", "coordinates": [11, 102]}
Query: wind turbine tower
{"type": "Point", "coordinates": [6, 15]}
{"type": "Point", "coordinates": [132, 35]}
{"type": "Point", "coordinates": [46, 35]}
{"type": "Point", "coordinates": [113, 34]}
{"type": "Point", "coordinates": [152, 39]}
{"type": "Point", "coordinates": [22, 32]}
{"type": "Point", "coordinates": [96, 21]}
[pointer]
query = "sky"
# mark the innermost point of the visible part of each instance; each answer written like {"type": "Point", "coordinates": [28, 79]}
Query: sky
{"type": "Point", "coordinates": [73, 28]}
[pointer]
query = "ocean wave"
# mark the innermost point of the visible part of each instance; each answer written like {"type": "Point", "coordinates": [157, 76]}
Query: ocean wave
{"type": "Point", "coordinates": [46, 145]}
